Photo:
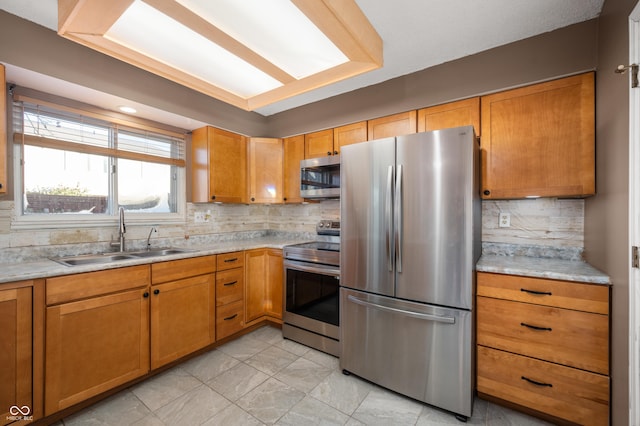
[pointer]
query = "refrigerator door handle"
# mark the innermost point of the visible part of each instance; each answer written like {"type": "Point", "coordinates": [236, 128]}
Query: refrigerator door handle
{"type": "Point", "coordinates": [419, 315]}
{"type": "Point", "coordinates": [387, 217]}
{"type": "Point", "coordinates": [398, 218]}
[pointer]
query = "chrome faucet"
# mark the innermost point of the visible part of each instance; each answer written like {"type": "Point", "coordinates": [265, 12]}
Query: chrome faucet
{"type": "Point", "coordinates": [122, 229]}
{"type": "Point", "coordinates": [153, 229]}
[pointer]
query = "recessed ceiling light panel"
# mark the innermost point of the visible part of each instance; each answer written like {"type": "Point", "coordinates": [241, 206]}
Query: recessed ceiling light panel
{"type": "Point", "coordinates": [276, 30]}
{"type": "Point", "coordinates": [145, 30]}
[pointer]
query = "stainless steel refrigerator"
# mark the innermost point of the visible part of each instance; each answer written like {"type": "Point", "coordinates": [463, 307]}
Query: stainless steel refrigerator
{"type": "Point", "coordinates": [410, 238]}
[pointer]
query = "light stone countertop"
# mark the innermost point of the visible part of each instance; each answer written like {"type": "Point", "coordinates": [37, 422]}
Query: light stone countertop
{"type": "Point", "coordinates": [19, 271]}
{"type": "Point", "coordinates": [540, 267]}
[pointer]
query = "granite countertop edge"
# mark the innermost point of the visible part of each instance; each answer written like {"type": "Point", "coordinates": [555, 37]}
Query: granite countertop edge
{"type": "Point", "coordinates": [46, 268]}
{"type": "Point", "coordinates": [540, 267]}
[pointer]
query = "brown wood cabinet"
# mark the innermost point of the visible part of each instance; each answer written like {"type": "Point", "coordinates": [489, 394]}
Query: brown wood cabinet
{"type": "Point", "coordinates": [230, 294]}
{"type": "Point", "coordinates": [21, 338]}
{"type": "Point", "coordinates": [452, 114]}
{"type": "Point", "coordinates": [265, 170]}
{"type": "Point", "coordinates": [351, 133]}
{"type": "Point", "coordinates": [544, 345]}
{"type": "Point", "coordinates": [319, 144]}
{"type": "Point", "coordinates": [293, 154]}
{"type": "Point", "coordinates": [400, 124]}
{"type": "Point", "coordinates": [263, 284]}
{"type": "Point", "coordinates": [3, 131]}
{"type": "Point", "coordinates": [218, 166]}
{"type": "Point", "coordinates": [182, 308]}
{"type": "Point", "coordinates": [540, 140]}
{"type": "Point", "coordinates": [96, 338]}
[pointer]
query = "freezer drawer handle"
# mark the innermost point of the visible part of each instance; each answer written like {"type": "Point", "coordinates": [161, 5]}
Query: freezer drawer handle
{"type": "Point", "coordinates": [419, 315]}
{"type": "Point", "coordinates": [535, 327]}
{"type": "Point", "coordinates": [534, 382]}
{"type": "Point", "coordinates": [542, 293]}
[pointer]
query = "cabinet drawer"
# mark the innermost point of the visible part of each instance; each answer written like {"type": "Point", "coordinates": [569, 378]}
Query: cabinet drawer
{"type": "Point", "coordinates": [229, 286]}
{"type": "Point", "coordinates": [162, 272]}
{"type": "Point", "coordinates": [230, 260]}
{"type": "Point", "coordinates": [564, 392]}
{"type": "Point", "coordinates": [573, 338]}
{"type": "Point", "coordinates": [229, 319]}
{"type": "Point", "coordinates": [90, 284]}
{"type": "Point", "coordinates": [562, 294]}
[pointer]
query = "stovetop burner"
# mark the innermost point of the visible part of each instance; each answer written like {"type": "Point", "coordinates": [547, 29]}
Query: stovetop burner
{"type": "Point", "coordinates": [325, 251]}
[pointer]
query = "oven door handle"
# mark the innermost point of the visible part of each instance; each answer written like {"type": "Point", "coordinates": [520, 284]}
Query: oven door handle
{"type": "Point", "coordinates": [311, 268]}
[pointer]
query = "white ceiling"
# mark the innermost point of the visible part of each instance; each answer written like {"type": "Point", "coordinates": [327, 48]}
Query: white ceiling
{"type": "Point", "coordinates": [417, 34]}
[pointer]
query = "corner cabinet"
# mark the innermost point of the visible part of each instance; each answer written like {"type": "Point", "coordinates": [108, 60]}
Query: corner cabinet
{"type": "Point", "coordinates": [3, 131]}
{"type": "Point", "coordinates": [539, 140]}
{"type": "Point", "coordinates": [544, 345]}
{"type": "Point", "coordinates": [293, 148]}
{"type": "Point", "coordinates": [218, 166]}
{"type": "Point", "coordinates": [97, 333]}
{"type": "Point", "coordinates": [265, 170]}
{"type": "Point", "coordinates": [263, 284]}
{"type": "Point", "coordinates": [182, 299]}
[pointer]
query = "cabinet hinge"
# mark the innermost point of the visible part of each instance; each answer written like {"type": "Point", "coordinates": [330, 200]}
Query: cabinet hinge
{"type": "Point", "coordinates": [635, 257]}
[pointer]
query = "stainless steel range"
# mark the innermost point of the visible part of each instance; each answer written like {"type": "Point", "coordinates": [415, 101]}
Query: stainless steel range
{"type": "Point", "coordinates": [312, 284]}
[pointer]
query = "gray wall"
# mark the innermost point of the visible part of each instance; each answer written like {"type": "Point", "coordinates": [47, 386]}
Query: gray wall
{"type": "Point", "coordinates": [606, 214]}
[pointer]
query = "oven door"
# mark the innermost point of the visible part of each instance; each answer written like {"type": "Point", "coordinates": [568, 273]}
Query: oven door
{"type": "Point", "coordinates": [312, 297]}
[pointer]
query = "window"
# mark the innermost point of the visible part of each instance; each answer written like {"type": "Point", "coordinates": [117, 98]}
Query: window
{"type": "Point", "coordinates": [79, 167]}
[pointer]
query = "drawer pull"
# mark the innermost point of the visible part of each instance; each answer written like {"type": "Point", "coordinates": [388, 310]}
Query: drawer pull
{"type": "Point", "coordinates": [230, 260]}
{"type": "Point", "coordinates": [541, 293]}
{"type": "Point", "coordinates": [534, 382]}
{"type": "Point", "coordinates": [231, 317]}
{"type": "Point", "coordinates": [231, 283]}
{"type": "Point", "coordinates": [535, 327]}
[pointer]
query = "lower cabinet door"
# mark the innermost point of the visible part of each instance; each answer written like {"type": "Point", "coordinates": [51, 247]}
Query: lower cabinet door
{"type": "Point", "coordinates": [94, 345]}
{"type": "Point", "coordinates": [15, 353]}
{"type": "Point", "coordinates": [182, 318]}
{"type": "Point", "coordinates": [567, 393]}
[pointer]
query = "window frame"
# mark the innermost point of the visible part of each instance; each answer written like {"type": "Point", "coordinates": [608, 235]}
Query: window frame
{"type": "Point", "coordinates": [110, 217]}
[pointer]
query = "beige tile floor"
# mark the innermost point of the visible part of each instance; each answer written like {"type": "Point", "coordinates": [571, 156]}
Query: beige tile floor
{"type": "Point", "coordinates": [262, 378]}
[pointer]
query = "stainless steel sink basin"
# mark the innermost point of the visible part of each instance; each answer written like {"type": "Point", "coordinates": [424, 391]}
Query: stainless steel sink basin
{"type": "Point", "coordinates": [159, 252]}
{"type": "Point", "coordinates": [93, 259]}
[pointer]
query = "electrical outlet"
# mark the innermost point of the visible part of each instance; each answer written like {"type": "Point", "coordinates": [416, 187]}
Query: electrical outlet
{"type": "Point", "coordinates": [199, 217]}
{"type": "Point", "coordinates": [504, 220]}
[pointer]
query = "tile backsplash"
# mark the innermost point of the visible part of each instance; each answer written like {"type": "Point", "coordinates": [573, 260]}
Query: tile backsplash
{"type": "Point", "coordinates": [558, 224]}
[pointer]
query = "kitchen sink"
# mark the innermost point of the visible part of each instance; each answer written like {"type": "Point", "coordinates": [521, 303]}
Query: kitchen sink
{"type": "Point", "coordinates": [159, 252]}
{"type": "Point", "coordinates": [101, 258]}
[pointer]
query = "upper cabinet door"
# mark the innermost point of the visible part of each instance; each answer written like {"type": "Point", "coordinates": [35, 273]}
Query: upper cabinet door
{"type": "Point", "coordinates": [351, 133]}
{"type": "Point", "coordinates": [3, 131]}
{"type": "Point", "coordinates": [392, 125]}
{"type": "Point", "coordinates": [219, 166]}
{"type": "Point", "coordinates": [452, 114]}
{"type": "Point", "coordinates": [293, 153]}
{"type": "Point", "coordinates": [265, 170]}
{"type": "Point", "coordinates": [319, 144]}
{"type": "Point", "coordinates": [539, 141]}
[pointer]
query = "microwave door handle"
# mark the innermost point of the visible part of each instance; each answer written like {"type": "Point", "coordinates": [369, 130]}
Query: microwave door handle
{"type": "Point", "coordinates": [398, 218]}
{"type": "Point", "coordinates": [387, 216]}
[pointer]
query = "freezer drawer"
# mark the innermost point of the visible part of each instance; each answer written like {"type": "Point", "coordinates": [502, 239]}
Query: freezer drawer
{"type": "Point", "coordinates": [421, 351]}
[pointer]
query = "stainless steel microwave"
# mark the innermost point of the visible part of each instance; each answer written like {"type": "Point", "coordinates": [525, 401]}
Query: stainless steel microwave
{"type": "Point", "coordinates": [320, 177]}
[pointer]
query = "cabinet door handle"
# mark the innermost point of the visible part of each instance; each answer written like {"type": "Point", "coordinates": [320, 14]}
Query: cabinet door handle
{"type": "Point", "coordinates": [231, 317]}
{"type": "Point", "coordinates": [231, 283]}
{"type": "Point", "coordinates": [535, 382]}
{"type": "Point", "coordinates": [542, 293]}
{"type": "Point", "coordinates": [156, 291]}
{"type": "Point", "coordinates": [145, 294]}
{"type": "Point", "coordinates": [230, 260]}
{"type": "Point", "coordinates": [335, 152]}
{"type": "Point", "coordinates": [535, 327]}
{"type": "Point", "coordinates": [213, 197]}
{"type": "Point", "coordinates": [328, 152]}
